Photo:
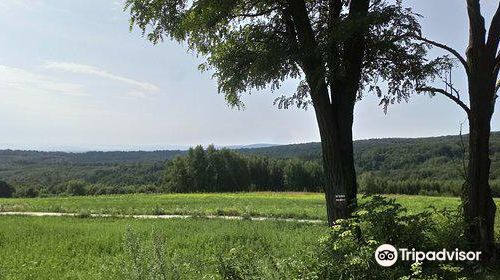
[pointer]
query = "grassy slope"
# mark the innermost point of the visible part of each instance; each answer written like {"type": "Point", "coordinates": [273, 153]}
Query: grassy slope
{"type": "Point", "coordinates": [72, 248]}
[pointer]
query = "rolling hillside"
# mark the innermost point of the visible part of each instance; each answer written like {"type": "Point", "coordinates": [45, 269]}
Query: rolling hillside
{"type": "Point", "coordinates": [436, 158]}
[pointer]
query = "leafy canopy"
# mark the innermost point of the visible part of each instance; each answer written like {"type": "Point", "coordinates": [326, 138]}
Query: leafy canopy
{"type": "Point", "coordinates": [252, 44]}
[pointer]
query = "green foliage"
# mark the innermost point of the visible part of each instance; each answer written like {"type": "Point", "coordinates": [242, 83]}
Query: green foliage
{"type": "Point", "coordinates": [27, 191]}
{"type": "Point", "coordinates": [279, 205]}
{"type": "Point", "coordinates": [209, 171]}
{"type": "Point", "coordinates": [295, 175]}
{"type": "Point", "coordinates": [347, 250]}
{"type": "Point", "coordinates": [47, 173]}
{"type": "Point", "coordinates": [6, 190]}
{"type": "Point", "coordinates": [98, 248]}
{"type": "Point", "coordinates": [371, 184]}
{"type": "Point", "coordinates": [426, 166]}
{"type": "Point", "coordinates": [254, 46]}
{"type": "Point", "coordinates": [240, 264]}
{"type": "Point", "coordinates": [227, 171]}
{"type": "Point", "coordinates": [76, 187]}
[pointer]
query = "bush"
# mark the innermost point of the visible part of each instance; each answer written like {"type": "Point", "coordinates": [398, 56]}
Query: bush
{"type": "Point", "coordinates": [6, 190]}
{"type": "Point", "coordinates": [346, 252]}
{"type": "Point", "coordinates": [76, 187]}
{"type": "Point", "coordinates": [495, 187]}
{"type": "Point", "coordinates": [27, 191]}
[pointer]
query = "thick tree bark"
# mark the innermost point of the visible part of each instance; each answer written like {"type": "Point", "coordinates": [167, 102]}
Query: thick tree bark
{"type": "Point", "coordinates": [333, 101]}
{"type": "Point", "coordinates": [337, 143]}
{"type": "Point", "coordinates": [338, 163]}
{"type": "Point", "coordinates": [478, 205]}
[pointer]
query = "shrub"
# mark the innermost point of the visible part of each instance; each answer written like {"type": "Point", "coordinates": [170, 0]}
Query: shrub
{"type": "Point", "coordinates": [6, 190]}
{"type": "Point", "coordinates": [27, 191]}
{"type": "Point", "coordinates": [347, 250]}
{"type": "Point", "coordinates": [495, 187]}
{"type": "Point", "coordinates": [76, 187]}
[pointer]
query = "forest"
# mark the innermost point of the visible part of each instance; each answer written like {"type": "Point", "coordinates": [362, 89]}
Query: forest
{"type": "Point", "coordinates": [425, 166]}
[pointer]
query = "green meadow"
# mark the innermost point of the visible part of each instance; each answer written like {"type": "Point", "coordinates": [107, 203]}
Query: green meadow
{"type": "Point", "coordinates": [93, 248]}
{"type": "Point", "coordinates": [75, 248]}
{"type": "Point", "coordinates": [257, 204]}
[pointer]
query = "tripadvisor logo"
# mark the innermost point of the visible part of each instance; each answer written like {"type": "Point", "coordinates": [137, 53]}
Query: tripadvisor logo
{"type": "Point", "coordinates": [386, 255]}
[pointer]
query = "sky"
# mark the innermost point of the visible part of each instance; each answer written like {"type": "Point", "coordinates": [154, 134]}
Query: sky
{"type": "Point", "coordinates": [73, 76]}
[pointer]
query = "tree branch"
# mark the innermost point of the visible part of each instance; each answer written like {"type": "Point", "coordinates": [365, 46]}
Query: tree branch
{"type": "Point", "coordinates": [453, 89]}
{"type": "Point", "coordinates": [257, 14]}
{"type": "Point", "coordinates": [447, 94]}
{"type": "Point", "coordinates": [447, 48]}
{"type": "Point", "coordinates": [311, 59]}
{"type": "Point", "coordinates": [477, 31]}
{"type": "Point", "coordinates": [497, 86]}
{"type": "Point", "coordinates": [290, 31]}
{"type": "Point", "coordinates": [494, 32]}
{"type": "Point", "coordinates": [333, 56]}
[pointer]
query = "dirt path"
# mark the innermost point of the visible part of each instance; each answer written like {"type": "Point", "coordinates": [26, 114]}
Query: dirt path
{"type": "Point", "coordinates": [56, 214]}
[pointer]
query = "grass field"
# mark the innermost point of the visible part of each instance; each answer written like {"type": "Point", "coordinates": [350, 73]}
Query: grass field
{"type": "Point", "coordinates": [92, 248]}
{"type": "Point", "coordinates": [73, 248]}
{"type": "Point", "coordinates": [286, 205]}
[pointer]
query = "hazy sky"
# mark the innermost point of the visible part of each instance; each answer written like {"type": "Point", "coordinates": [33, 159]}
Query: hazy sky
{"type": "Point", "coordinates": [71, 74]}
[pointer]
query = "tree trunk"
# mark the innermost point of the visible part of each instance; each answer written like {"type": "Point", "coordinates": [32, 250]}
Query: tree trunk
{"type": "Point", "coordinates": [336, 132]}
{"type": "Point", "coordinates": [335, 107]}
{"type": "Point", "coordinates": [340, 174]}
{"type": "Point", "coordinates": [478, 205]}
{"type": "Point", "coordinates": [338, 157]}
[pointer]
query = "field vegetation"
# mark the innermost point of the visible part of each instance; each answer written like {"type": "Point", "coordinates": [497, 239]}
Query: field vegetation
{"type": "Point", "coordinates": [73, 248]}
{"type": "Point", "coordinates": [262, 204]}
{"type": "Point", "coordinates": [199, 248]}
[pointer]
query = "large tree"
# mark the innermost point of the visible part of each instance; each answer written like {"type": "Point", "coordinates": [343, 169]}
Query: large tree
{"type": "Point", "coordinates": [482, 64]}
{"type": "Point", "coordinates": [336, 48]}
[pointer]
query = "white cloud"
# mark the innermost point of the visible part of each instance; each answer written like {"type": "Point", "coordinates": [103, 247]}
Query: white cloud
{"type": "Point", "coordinates": [17, 79]}
{"type": "Point", "coordinates": [91, 70]}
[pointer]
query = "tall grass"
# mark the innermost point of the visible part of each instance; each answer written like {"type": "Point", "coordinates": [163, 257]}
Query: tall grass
{"type": "Point", "coordinates": [74, 248]}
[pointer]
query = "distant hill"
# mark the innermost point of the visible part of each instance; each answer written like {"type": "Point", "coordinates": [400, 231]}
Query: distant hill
{"type": "Point", "coordinates": [36, 157]}
{"type": "Point", "coordinates": [312, 150]}
{"type": "Point", "coordinates": [398, 158]}
{"type": "Point", "coordinates": [433, 158]}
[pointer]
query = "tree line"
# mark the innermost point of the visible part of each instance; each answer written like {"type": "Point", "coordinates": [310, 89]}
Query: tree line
{"type": "Point", "coordinates": [437, 159]}
{"type": "Point", "coordinates": [200, 170]}
{"type": "Point", "coordinates": [212, 170]}
{"type": "Point", "coordinates": [435, 173]}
